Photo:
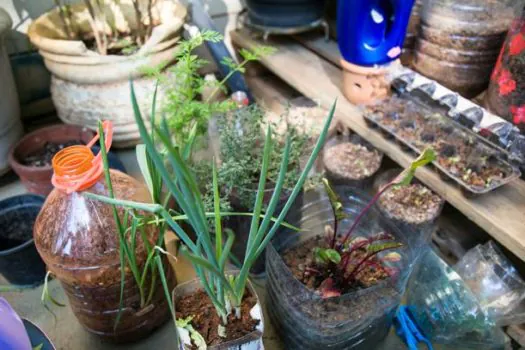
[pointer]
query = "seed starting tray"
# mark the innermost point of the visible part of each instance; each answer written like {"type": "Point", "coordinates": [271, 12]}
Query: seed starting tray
{"type": "Point", "coordinates": [462, 155]}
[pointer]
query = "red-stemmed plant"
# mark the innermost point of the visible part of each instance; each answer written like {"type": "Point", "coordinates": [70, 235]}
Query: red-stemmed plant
{"type": "Point", "coordinates": [340, 265]}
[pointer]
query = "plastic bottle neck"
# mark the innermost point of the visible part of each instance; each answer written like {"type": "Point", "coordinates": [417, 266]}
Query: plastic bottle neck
{"type": "Point", "coordinates": [76, 168]}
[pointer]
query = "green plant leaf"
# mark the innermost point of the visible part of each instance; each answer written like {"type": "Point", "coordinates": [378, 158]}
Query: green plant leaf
{"type": "Point", "coordinates": [379, 247]}
{"type": "Point", "coordinates": [39, 346]}
{"type": "Point", "coordinates": [324, 256]}
{"type": "Point", "coordinates": [337, 206]}
{"type": "Point", "coordinates": [405, 178]}
{"type": "Point", "coordinates": [142, 160]}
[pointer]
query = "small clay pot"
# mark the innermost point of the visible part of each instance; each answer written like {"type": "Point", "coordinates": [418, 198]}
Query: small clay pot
{"type": "Point", "coordinates": [364, 85]}
{"type": "Point", "coordinates": [38, 179]}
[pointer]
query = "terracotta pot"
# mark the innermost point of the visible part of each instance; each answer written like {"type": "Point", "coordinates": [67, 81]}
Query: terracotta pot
{"type": "Point", "coordinates": [87, 86]}
{"type": "Point", "coordinates": [10, 125]}
{"type": "Point", "coordinates": [364, 85]}
{"type": "Point", "coordinates": [38, 179]}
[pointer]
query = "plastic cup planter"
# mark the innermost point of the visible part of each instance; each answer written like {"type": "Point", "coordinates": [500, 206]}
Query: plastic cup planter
{"type": "Point", "coordinates": [350, 160]}
{"type": "Point", "coordinates": [417, 218]}
{"type": "Point", "coordinates": [251, 341]}
{"type": "Point", "coordinates": [357, 320]}
{"type": "Point", "coordinates": [19, 260]}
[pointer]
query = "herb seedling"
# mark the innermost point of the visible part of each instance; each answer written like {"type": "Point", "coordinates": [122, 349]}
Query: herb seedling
{"type": "Point", "coordinates": [339, 266]}
{"type": "Point", "coordinates": [183, 86]}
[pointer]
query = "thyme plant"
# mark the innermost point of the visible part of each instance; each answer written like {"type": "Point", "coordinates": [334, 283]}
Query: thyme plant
{"type": "Point", "coordinates": [240, 142]}
{"type": "Point", "coordinates": [209, 253]}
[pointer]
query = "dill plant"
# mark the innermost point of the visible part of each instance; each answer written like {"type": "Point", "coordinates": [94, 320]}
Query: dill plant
{"type": "Point", "coordinates": [183, 86]}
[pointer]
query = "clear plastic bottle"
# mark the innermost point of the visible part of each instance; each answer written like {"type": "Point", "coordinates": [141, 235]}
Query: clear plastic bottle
{"type": "Point", "coordinates": [459, 41]}
{"type": "Point", "coordinates": [78, 239]}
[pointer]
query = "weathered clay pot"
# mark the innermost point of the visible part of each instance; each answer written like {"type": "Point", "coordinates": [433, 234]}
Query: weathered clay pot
{"type": "Point", "coordinates": [87, 86]}
{"type": "Point", "coordinates": [38, 179]}
{"type": "Point", "coordinates": [10, 125]}
{"type": "Point", "coordinates": [364, 85]}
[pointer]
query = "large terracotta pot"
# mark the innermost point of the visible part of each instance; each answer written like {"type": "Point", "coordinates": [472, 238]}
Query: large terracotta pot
{"type": "Point", "coordinates": [10, 125]}
{"type": "Point", "coordinates": [87, 86]}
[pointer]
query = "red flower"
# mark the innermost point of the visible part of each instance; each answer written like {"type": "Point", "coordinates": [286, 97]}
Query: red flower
{"type": "Point", "coordinates": [506, 83]}
{"type": "Point", "coordinates": [517, 44]}
{"type": "Point", "coordinates": [518, 114]}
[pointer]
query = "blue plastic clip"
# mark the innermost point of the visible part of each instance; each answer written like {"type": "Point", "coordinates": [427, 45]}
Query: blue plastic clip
{"type": "Point", "coordinates": [407, 329]}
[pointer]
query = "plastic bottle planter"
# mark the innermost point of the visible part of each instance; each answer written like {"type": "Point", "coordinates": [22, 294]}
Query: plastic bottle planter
{"type": "Point", "coordinates": [252, 341]}
{"type": "Point", "coordinates": [446, 309]}
{"type": "Point", "coordinates": [356, 320]}
{"type": "Point", "coordinates": [350, 160]}
{"type": "Point", "coordinates": [19, 260]}
{"type": "Point", "coordinates": [78, 240]}
{"type": "Point", "coordinates": [506, 94]}
{"type": "Point", "coordinates": [418, 215]}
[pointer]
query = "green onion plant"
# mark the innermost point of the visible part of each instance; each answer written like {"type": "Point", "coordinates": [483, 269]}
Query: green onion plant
{"type": "Point", "coordinates": [166, 168]}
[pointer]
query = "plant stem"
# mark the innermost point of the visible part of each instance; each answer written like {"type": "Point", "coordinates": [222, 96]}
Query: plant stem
{"type": "Point", "coordinates": [365, 209]}
{"type": "Point", "coordinates": [150, 15]}
{"type": "Point", "coordinates": [225, 79]}
{"type": "Point", "coordinates": [140, 26]}
{"type": "Point", "coordinates": [92, 19]}
{"type": "Point", "coordinates": [63, 18]}
{"type": "Point", "coordinates": [356, 270]}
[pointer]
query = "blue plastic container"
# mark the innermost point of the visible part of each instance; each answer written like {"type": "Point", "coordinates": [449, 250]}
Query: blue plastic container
{"type": "Point", "coordinates": [371, 32]}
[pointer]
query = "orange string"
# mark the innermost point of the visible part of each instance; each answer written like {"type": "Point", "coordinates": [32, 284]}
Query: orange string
{"type": "Point", "coordinates": [76, 168]}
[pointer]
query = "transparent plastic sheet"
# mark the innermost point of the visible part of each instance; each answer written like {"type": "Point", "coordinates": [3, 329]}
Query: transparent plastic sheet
{"type": "Point", "coordinates": [445, 308]}
{"type": "Point", "coordinates": [357, 320]}
{"type": "Point", "coordinates": [78, 240]}
{"type": "Point", "coordinates": [493, 280]}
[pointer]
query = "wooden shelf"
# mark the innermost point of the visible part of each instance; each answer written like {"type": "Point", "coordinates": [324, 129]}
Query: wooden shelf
{"type": "Point", "coordinates": [297, 61]}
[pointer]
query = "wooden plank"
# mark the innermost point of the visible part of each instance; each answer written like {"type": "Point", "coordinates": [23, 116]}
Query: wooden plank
{"type": "Point", "coordinates": [500, 213]}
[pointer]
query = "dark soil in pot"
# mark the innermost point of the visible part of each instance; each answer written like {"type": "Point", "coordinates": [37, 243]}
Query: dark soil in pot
{"type": "Point", "coordinates": [35, 172]}
{"type": "Point", "coordinates": [44, 156]}
{"type": "Point", "coordinates": [300, 260]}
{"type": "Point", "coordinates": [19, 260]}
{"type": "Point", "coordinates": [206, 320]}
{"type": "Point", "coordinates": [350, 161]}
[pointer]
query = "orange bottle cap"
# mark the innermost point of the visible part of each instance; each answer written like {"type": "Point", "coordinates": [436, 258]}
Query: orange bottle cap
{"type": "Point", "coordinates": [76, 168]}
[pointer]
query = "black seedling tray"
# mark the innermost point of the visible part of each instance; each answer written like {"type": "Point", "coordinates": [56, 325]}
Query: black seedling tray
{"type": "Point", "coordinates": [415, 126]}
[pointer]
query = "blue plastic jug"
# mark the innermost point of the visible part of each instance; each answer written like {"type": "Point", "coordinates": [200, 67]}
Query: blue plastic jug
{"type": "Point", "coordinates": [371, 32]}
